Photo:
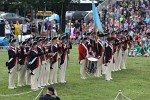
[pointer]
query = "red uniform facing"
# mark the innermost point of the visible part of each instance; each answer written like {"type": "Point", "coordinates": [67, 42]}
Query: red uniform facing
{"type": "Point", "coordinates": [82, 51]}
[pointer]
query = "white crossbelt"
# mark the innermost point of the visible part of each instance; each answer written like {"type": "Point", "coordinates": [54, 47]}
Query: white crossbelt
{"type": "Point", "coordinates": [10, 60]}
{"type": "Point", "coordinates": [31, 62]}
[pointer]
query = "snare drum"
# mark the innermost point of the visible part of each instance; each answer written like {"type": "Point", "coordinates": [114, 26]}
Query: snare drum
{"type": "Point", "coordinates": [92, 65]}
{"type": "Point", "coordinates": [92, 59]}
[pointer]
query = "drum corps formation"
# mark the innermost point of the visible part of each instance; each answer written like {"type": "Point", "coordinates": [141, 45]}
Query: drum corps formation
{"type": "Point", "coordinates": [39, 60]}
{"type": "Point", "coordinates": [103, 53]}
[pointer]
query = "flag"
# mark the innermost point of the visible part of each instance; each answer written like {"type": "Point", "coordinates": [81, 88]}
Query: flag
{"type": "Point", "coordinates": [96, 18]}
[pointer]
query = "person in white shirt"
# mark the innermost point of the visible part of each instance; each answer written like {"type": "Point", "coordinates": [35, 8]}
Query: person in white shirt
{"type": "Point", "coordinates": [91, 26]}
{"type": "Point", "coordinates": [7, 29]}
{"type": "Point", "coordinates": [24, 28]}
{"type": "Point", "coordinates": [54, 28]}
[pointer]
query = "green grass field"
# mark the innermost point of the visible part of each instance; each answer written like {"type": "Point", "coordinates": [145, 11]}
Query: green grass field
{"type": "Point", "coordinates": [134, 82]}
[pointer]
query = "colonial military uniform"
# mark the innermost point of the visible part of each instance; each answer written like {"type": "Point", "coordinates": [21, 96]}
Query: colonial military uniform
{"type": "Point", "coordinates": [54, 61]}
{"type": "Point", "coordinates": [99, 51]}
{"type": "Point", "coordinates": [83, 54]}
{"type": "Point", "coordinates": [22, 64]}
{"type": "Point", "coordinates": [119, 58]}
{"type": "Point", "coordinates": [46, 73]}
{"type": "Point", "coordinates": [28, 74]}
{"type": "Point", "coordinates": [64, 60]}
{"type": "Point", "coordinates": [33, 65]}
{"type": "Point", "coordinates": [90, 45]}
{"type": "Point", "coordinates": [125, 52]}
{"type": "Point", "coordinates": [41, 66]}
{"type": "Point", "coordinates": [12, 64]}
{"type": "Point", "coordinates": [116, 51]}
{"type": "Point", "coordinates": [108, 55]}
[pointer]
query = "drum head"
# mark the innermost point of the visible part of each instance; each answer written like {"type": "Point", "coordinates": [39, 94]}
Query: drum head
{"type": "Point", "coordinates": [92, 59]}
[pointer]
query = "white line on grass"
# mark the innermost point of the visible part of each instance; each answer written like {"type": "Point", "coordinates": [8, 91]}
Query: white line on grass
{"type": "Point", "coordinates": [39, 94]}
{"type": "Point", "coordinates": [8, 95]}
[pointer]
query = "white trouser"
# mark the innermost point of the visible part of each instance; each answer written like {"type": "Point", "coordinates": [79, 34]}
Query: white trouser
{"type": "Point", "coordinates": [62, 72]}
{"type": "Point", "coordinates": [115, 58]}
{"type": "Point", "coordinates": [28, 77]}
{"type": "Point", "coordinates": [12, 74]}
{"type": "Point", "coordinates": [124, 59]}
{"type": "Point", "coordinates": [55, 66]}
{"type": "Point", "coordinates": [103, 69]}
{"type": "Point", "coordinates": [83, 68]}
{"type": "Point", "coordinates": [42, 74]}
{"type": "Point", "coordinates": [108, 71]}
{"type": "Point", "coordinates": [47, 73]}
{"type": "Point", "coordinates": [53, 73]}
{"type": "Point", "coordinates": [34, 78]}
{"type": "Point", "coordinates": [21, 74]}
{"type": "Point", "coordinates": [98, 72]}
{"type": "Point", "coordinates": [119, 59]}
{"type": "Point", "coordinates": [38, 75]}
{"type": "Point", "coordinates": [112, 64]}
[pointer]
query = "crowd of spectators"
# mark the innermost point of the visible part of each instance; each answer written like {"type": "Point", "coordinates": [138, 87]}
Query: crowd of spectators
{"type": "Point", "coordinates": [127, 15]}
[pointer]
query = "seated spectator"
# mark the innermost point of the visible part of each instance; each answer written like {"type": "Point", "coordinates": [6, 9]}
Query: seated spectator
{"type": "Point", "coordinates": [133, 51]}
{"type": "Point", "coordinates": [138, 48]}
{"type": "Point", "coordinates": [143, 50]}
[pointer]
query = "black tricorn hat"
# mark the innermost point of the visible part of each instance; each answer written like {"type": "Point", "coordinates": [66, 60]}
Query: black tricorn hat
{"type": "Point", "coordinates": [24, 42]}
{"type": "Point", "coordinates": [54, 38]}
{"type": "Point", "coordinates": [88, 33]}
{"type": "Point", "coordinates": [106, 34]}
{"type": "Point", "coordinates": [63, 37]}
{"type": "Point", "coordinates": [100, 35]}
{"type": "Point", "coordinates": [110, 39]}
{"type": "Point", "coordinates": [84, 38]}
{"type": "Point", "coordinates": [29, 39]}
{"type": "Point", "coordinates": [34, 43]}
{"type": "Point", "coordinates": [46, 39]}
{"type": "Point", "coordinates": [12, 40]}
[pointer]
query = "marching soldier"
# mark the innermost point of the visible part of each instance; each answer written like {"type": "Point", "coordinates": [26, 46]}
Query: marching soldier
{"type": "Point", "coordinates": [125, 52]}
{"type": "Point", "coordinates": [90, 44]}
{"type": "Point", "coordinates": [99, 51]}
{"type": "Point", "coordinates": [28, 74]}
{"type": "Point", "coordinates": [12, 63]}
{"type": "Point", "coordinates": [44, 63]}
{"type": "Point", "coordinates": [119, 58]}
{"type": "Point", "coordinates": [33, 65]}
{"type": "Point", "coordinates": [47, 62]}
{"type": "Point", "coordinates": [83, 55]}
{"type": "Point", "coordinates": [64, 59]}
{"type": "Point", "coordinates": [108, 55]}
{"type": "Point", "coordinates": [41, 66]}
{"type": "Point", "coordinates": [22, 64]}
{"type": "Point", "coordinates": [106, 35]}
{"type": "Point", "coordinates": [115, 45]}
{"type": "Point", "coordinates": [53, 50]}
